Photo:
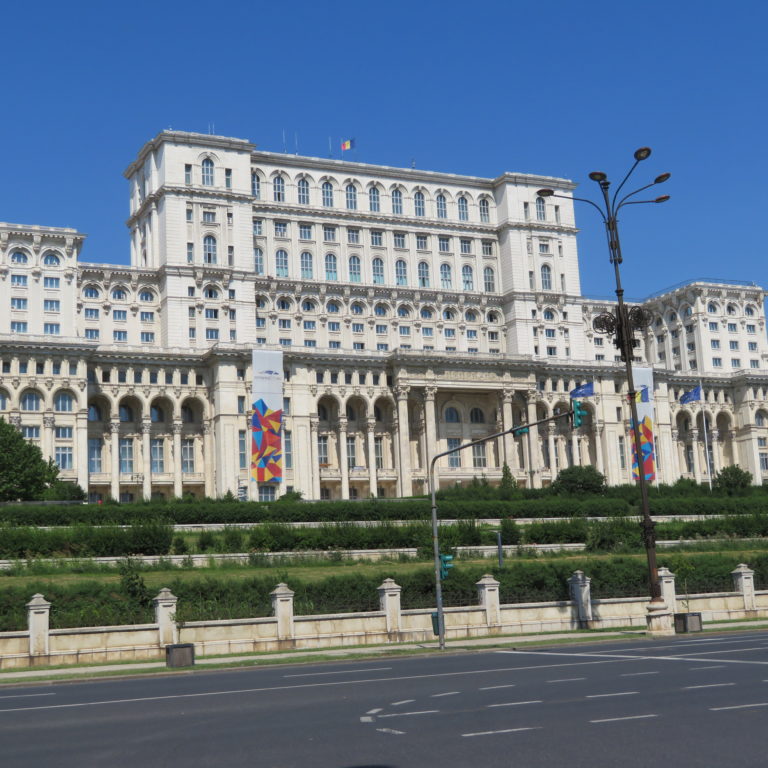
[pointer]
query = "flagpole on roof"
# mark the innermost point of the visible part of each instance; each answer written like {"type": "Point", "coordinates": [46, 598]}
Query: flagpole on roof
{"type": "Point", "coordinates": [706, 438]}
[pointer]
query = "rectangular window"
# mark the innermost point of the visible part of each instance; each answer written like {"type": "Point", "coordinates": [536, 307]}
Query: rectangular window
{"type": "Point", "coordinates": [358, 345]}
{"type": "Point", "coordinates": [310, 343]}
{"type": "Point", "coordinates": [353, 236]}
{"type": "Point", "coordinates": [717, 362]}
{"type": "Point", "coordinates": [322, 450]}
{"type": "Point", "coordinates": [764, 462]}
{"type": "Point", "coordinates": [305, 231]}
{"type": "Point", "coordinates": [18, 303]}
{"type": "Point", "coordinates": [125, 447]}
{"type": "Point", "coordinates": [120, 315]}
{"type": "Point", "coordinates": [715, 344]}
{"type": "Point", "coordinates": [713, 327]}
{"type": "Point", "coordinates": [531, 280]}
{"type": "Point", "coordinates": [241, 403]}
{"type": "Point", "coordinates": [187, 455]}
{"type": "Point", "coordinates": [732, 328]}
{"type": "Point", "coordinates": [258, 227]}
{"type": "Point", "coordinates": [405, 330]}
{"type": "Point", "coordinates": [51, 282]}
{"type": "Point", "coordinates": [377, 237]}
{"type": "Point", "coordinates": [487, 248]}
{"type": "Point", "coordinates": [329, 234]}
{"type": "Point", "coordinates": [189, 215]}
{"type": "Point", "coordinates": [146, 317]}
{"type": "Point", "coordinates": [212, 334]}
{"type": "Point", "coordinates": [443, 243]}
{"type": "Point", "coordinates": [63, 456]}
{"type": "Point", "coordinates": [351, 452]}
{"type": "Point", "coordinates": [63, 433]}
{"type": "Point", "coordinates": [399, 239]}
{"type": "Point", "coordinates": [358, 327]}
{"type": "Point", "coordinates": [735, 362]}
{"type": "Point", "coordinates": [478, 456]}
{"type": "Point", "coordinates": [454, 459]}
{"type": "Point", "coordinates": [51, 305]}
{"type": "Point", "coordinates": [228, 178]}
{"type": "Point", "coordinates": [752, 346]}
{"type": "Point", "coordinates": [157, 455]}
{"type": "Point", "coordinates": [309, 325]}
{"type": "Point", "coordinates": [30, 433]}
{"type": "Point", "coordinates": [733, 345]}
{"type": "Point", "coordinates": [382, 347]}
{"type": "Point", "coordinates": [187, 174]}
{"type": "Point", "coordinates": [466, 245]}
{"type": "Point", "coordinates": [192, 332]}
{"type": "Point", "coordinates": [427, 332]}
{"type": "Point", "coordinates": [544, 247]}
{"type": "Point", "coordinates": [381, 329]}
{"type": "Point", "coordinates": [242, 448]}
{"type": "Point", "coordinates": [281, 229]}
{"type": "Point", "coordinates": [622, 453]}
{"type": "Point", "coordinates": [750, 328]}
{"type": "Point", "coordinates": [422, 242]}
{"type": "Point", "coordinates": [20, 281]}
{"type": "Point", "coordinates": [754, 363]}
{"type": "Point", "coordinates": [120, 336]}
{"type": "Point", "coordinates": [209, 217]}
{"type": "Point", "coordinates": [334, 344]}
{"type": "Point", "coordinates": [147, 337]}
{"type": "Point", "coordinates": [91, 333]}
{"type": "Point", "coordinates": [287, 449]}
{"type": "Point", "coordinates": [94, 454]}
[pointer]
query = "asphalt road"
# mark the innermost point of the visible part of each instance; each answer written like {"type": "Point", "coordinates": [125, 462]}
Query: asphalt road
{"type": "Point", "coordinates": [689, 701]}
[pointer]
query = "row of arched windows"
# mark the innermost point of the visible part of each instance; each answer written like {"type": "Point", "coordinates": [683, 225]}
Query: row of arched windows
{"type": "Point", "coordinates": [22, 258]}
{"type": "Point", "coordinates": [118, 293]}
{"type": "Point", "coordinates": [157, 414]}
{"type": "Point", "coordinates": [32, 400]}
{"type": "Point", "coordinates": [351, 195]}
{"type": "Point", "coordinates": [378, 274]}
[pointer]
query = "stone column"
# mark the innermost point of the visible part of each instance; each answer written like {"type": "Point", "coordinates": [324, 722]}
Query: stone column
{"type": "Point", "coordinates": [659, 619]}
{"type": "Point", "coordinates": [395, 445]}
{"type": "Point", "coordinates": [717, 456]}
{"type": "Point", "coordinates": [314, 425]}
{"type": "Point", "coordinates": [372, 481]}
{"type": "Point", "coordinates": [165, 617]}
{"type": "Point", "coordinates": [81, 448]}
{"type": "Point", "coordinates": [282, 609]}
{"type": "Point", "coordinates": [114, 459]}
{"type": "Point", "coordinates": [404, 440]}
{"type": "Point", "coordinates": [146, 456]}
{"type": "Point", "coordinates": [575, 450]}
{"type": "Point", "coordinates": [488, 597]}
{"type": "Point", "coordinates": [579, 588]}
{"type": "Point", "coordinates": [155, 236]}
{"type": "Point", "coordinates": [49, 422]}
{"type": "Point", "coordinates": [430, 427]}
{"type": "Point", "coordinates": [696, 460]}
{"type": "Point", "coordinates": [38, 622]}
{"type": "Point", "coordinates": [343, 462]}
{"type": "Point", "coordinates": [389, 602]}
{"type": "Point", "coordinates": [598, 432]}
{"type": "Point", "coordinates": [667, 586]}
{"type": "Point", "coordinates": [208, 457]}
{"type": "Point", "coordinates": [744, 582]}
{"type": "Point", "coordinates": [534, 465]}
{"type": "Point", "coordinates": [177, 479]}
{"type": "Point", "coordinates": [510, 449]}
{"type": "Point", "coordinates": [552, 448]}
{"type": "Point", "coordinates": [674, 452]}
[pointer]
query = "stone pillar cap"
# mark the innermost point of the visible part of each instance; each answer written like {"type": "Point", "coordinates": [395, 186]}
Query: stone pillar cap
{"type": "Point", "coordinates": [487, 580]}
{"type": "Point", "coordinates": [38, 601]}
{"type": "Point", "coordinates": [282, 590]}
{"type": "Point", "coordinates": [742, 568]}
{"type": "Point", "coordinates": [165, 594]}
{"type": "Point", "coordinates": [664, 571]}
{"type": "Point", "coordinates": [389, 584]}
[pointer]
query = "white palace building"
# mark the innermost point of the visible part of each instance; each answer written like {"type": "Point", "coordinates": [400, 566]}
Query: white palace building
{"type": "Point", "coordinates": [415, 310]}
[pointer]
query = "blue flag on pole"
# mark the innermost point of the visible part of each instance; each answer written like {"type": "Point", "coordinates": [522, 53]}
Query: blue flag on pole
{"type": "Point", "coordinates": [692, 396]}
{"type": "Point", "coordinates": [585, 390]}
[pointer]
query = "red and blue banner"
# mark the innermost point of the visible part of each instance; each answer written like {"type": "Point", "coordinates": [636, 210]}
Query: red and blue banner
{"type": "Point", "coordinates": [267, 417]}
{"type": "Point", "coordinates": [643, 380]}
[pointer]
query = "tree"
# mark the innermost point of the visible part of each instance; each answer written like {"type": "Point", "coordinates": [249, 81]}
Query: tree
{"type": "Point", "coordinates": [24, 473]}
{"type": "Point", "coordinates": [63, 490]}
{"type": "Point", "coordinates": [579, 480]}
{"type": "Point", "coordinates": [508, 485]}
{"type": "Point", "coordinates": [733, 481]}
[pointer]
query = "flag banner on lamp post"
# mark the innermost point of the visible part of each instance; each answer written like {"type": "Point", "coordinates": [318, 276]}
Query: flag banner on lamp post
{"type": "Point", "coordinates": [266, 416]}
{"type": "Point", "coordinates": [643, 379]}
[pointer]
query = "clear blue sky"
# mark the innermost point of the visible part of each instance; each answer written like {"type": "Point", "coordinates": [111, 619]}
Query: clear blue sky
{"type": "Point", "coordinates": [558, 88]}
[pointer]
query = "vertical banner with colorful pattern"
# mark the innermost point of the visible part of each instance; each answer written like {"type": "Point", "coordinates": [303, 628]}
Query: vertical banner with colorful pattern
{"type": "Point", "coordinates": [643, 377]}
{"type": "Point", "coordinates": [267, 416]}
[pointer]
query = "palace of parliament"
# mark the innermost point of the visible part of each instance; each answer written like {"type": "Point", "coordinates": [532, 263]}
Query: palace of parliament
{"type": "Point", "coordinates": [415, 311]}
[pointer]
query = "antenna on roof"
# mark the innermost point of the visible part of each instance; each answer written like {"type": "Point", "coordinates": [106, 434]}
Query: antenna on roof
{"type": "Point", "coordinates": [285, 151]}
{"type": "Point", "coordinates": [413, 162]}
{"type": "Point", "coordinates": [296, 141]}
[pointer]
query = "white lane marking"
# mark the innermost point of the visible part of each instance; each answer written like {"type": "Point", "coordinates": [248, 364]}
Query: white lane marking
{"type": "Point", "coordinates": [447, 693]}
{"type": "Point", "coordinates": [407, 714]}
{"type": "Point", "coordinates": [606, 695]}
{"type": "Point", "coordinates": [513, 703]}
{"type": "Point", "coordinates": [702, 641]}
{"type": "Point", "coordinates": [710, 685]}
{"type": "Point", "coordinates": [493, 687]}
{"type": "Point", "coordinates": [365, 719]}
{"type": "Point", "coordinates": [505, 730]}
{"type": "Point", "coordinates": [373, 711]}
{"type": "Point", "coordinates": [391, 730]}
{"type": "Point", "coordinates": [404, 701]}
{"type": "Point", "coordinates": [633, 658]}
{"type": "Point", "coordinates": [342, 672]}
{"type": "Point", "coordinates": [616, 719]}
{"type": "Point", "coordinates": [739, 706]}
{"type": "Point", "coordinates": [26, 695]}
{"type": "Point", "coordinates": [567, 680]}
{"type": "Point", "coordinates": [709, 666]}
{"type": "Point", "coordinates": [637, 674]}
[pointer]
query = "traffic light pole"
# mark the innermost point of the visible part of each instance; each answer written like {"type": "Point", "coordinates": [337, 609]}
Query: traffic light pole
{"type": "Point", "coordinates": [519, 430]}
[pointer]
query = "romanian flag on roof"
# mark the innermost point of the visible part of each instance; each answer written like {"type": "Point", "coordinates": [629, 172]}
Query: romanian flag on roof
{"type": "Point", "coordinates": [348, 144]}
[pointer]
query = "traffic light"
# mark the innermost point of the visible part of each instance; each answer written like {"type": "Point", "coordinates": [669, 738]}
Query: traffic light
{"type": "Point", "coordinates": [445, 565]}
{"type": "Point", "coordinates": [520, 431]}
{"type": "Point", "coordinates": [579, 412]}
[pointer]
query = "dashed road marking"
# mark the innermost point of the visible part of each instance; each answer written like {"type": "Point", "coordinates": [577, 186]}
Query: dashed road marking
{"type": "Point", "coordinates": [447, 693]}
{"type": "Point", "coordinates": [710, 685]}
{"type": "Point", "coordinates": [406, 714]}
{"type": "Point", "coordinates": [341, 672]}
{"type": "Point", "coordinates": [26, 695]}
{"type": "Point", "coordinates": [373, 711]}
{"type": "Point", "coordinates": [514, 703]}
{"type": "Point", "coordinates": [606, 695]}
{"type": "Point", "coordinates": [391, 730]}
{"type": "Point", "coordinates": [567, 680]}
{"type": "Point", "coordinates": [637, 674]}
{"type": "Point", "coordinates": [709, 666]}
{"type": "Point", "coordinates": [494, 687]}
{"type": "Point", "coordinates": [617, 719]}
{"type": "Point", "coordinates": [739, 706]}
{"type": "Point", "coordinates": [404, 701]}
{"type": "Point", "coordinates": [504, 730]}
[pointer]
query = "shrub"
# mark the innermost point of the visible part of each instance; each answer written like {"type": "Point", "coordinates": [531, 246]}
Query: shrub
{"type": "Point", "coordinates": [579, 481]}
{"type": "Point", "coordinates": [733, 481]}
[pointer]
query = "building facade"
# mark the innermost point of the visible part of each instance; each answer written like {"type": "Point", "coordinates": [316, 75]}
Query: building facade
{"type": "Point", "coordinates": [415, 311]}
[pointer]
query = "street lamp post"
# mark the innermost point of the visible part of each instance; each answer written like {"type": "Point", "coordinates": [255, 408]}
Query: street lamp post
{"type": "Point", "coordinates": [622, 325]}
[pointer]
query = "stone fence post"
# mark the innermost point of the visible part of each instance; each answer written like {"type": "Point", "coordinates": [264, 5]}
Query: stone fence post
{"type": "Point", "coordinates": [282, 609]}
{"type": "Point", "coordinates": [744, 582]}
{"type": "Point", "coordinates": [488, 597]}
{"type": "Point", "coordinates": [389, 602]}
{"type": "Point", "coordinates": [38, 623]}
{"type": "Point", "coordinates": [165, 617]}
{"type": "Point", "coordinates": [579, 589]}
{"type": "Point", "coordinates": [667, 586]}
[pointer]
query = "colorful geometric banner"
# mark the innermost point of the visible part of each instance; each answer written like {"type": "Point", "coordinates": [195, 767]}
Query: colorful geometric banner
{"type": "Point", "coordinates": [643, 379]}
{"type": "Point", "coordinates": [267, 416]}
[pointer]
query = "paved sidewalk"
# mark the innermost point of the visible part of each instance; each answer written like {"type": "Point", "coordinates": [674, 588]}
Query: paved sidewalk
{"type": "Point", "coordinates": [31, 674]}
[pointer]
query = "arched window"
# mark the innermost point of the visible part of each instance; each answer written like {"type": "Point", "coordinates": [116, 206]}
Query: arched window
{"type": "Point", "coordinates": [546, 277]}
{"type": "Point", "coordinates": [302, 189]}
{"type": "Point", "coordinates": [156, 414]}
{"type": "Point", "coordinates": [331, 272]}
{"type": "Point", "coordinates": [442, 209]}
{"type": "Point", "coordinates": [256, 185]}
{"type": "Point", "coordinates": [397, 201]}
{"type": "Point", "coordinates": [378, 271]}
{"type": "Point", "coordinates": [328, 194]}
{"type": "Point", "coordinates": [258, 261]}
{"type": "Point", "coordinates": [332, 307]}
{"type": "Point", "coordinates": [749, 311]}
{"type": "Point", "coordinates": [351, 197]}
{"type": "Point", "coordinates": [50, 259]}
{"type": "Point", "coordinates": [423, 274]}
{"type": "Point", "coordinates": [187, 414]}
{"type": "Point", "coordinates": [485, 216]}
{"type": "Point", "coordinates": [357, 309]}
{"type": "Point", "coordinates": [489, 280]}
{"type": "Point", "coordinates": [541, 209]}
{"type": "Point", "coordinates": [549, 315]}
{"type": "Point", "coordinates": [418, 204]}
{"type": "Point", "coordinates": [209, 249]}
{"type": "Point", "coordinates": [760, 419]}
{"type": "Point", "coordinates": [446, 278]}
{"type": "Point", "coordinates": [119, 294]}
{"type": "Point", "coordinates": [401, 272]}
{"type": "Point", "coordinates": [672, 317]}
{"type": "Point", "coordinates": [94, 413]}
{"type": "Point", "coordinates": [207, 167]}
{"type": "Point", "coordinates": [731, 309]}
{"type": "Point", "coordinates": [374, 202]}
{"type": "Point", "coordinates": [449, 315]}
{"type": "Point", "coordinates": [463, 208]}
{"type": "Point", "coordinates": [452, 416]}
{"type": "Point", "coordinates": [377, 413]}
{"type": "Point", "coordinates": [284, 305]}
{"type": "Point", "coordinates": [30, 401]}
{"type": "Point", "coordinates": [307, 305]}
{"type": "Point", "coordinates": [403, 311]}
{"type": "Point", "coordinates": [209, 292]}
{"type": "Point", "coordinates": [125, 413]}
{"type": "Point", "coordinates": [688, 312]}
{"type": "Point", "coordinates": [351, 414]}
{"type": "Point", "coordinates": [322, 413]}
{"type": "Point", "coordinates": [146, 296]}
{"type": "Point", "coordinates": [91, 292]}
{"type": "Point", "coordinates": [470, 316]}
{"type": "Point", "coordinates": [281, 263]}
{"type": "Point", "coordinates": [63, 402]}
{"type": "Point", "coordinates": [493, 317]}
{"type": "Point", "coordinates": [380, 310]}
{"type": "Point", "coordinates": [278, 189]}
{"type": "Point", "coordinates": [19, 257]}
{"type": "Point", "coordinates": [426, 313]}
{"type": "Point", "coordinates": [467, 278]}
{"type": "Point", "coordinates": [354, 269]}
{"type": "Point", "coordinates": [712, 308]}
{"type": "Point", "coordinates": [306, 265]}
{"type": "Point", "coordinates": [3, 400]}
{"type": "Point", "coordinates": [476, 416]}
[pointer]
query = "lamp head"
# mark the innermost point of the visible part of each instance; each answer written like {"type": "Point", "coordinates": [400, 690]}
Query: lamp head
{"type": "Point", "coordinates": [545, 192]}
{"type": "Point", "coordinates": [662, 199]}
{"type": "Point", "coordinates": [642, 154]}
{"type": "Point", "coordinates": [661, 179]}
{"type": "Point", "coordinates": [598, 176]}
